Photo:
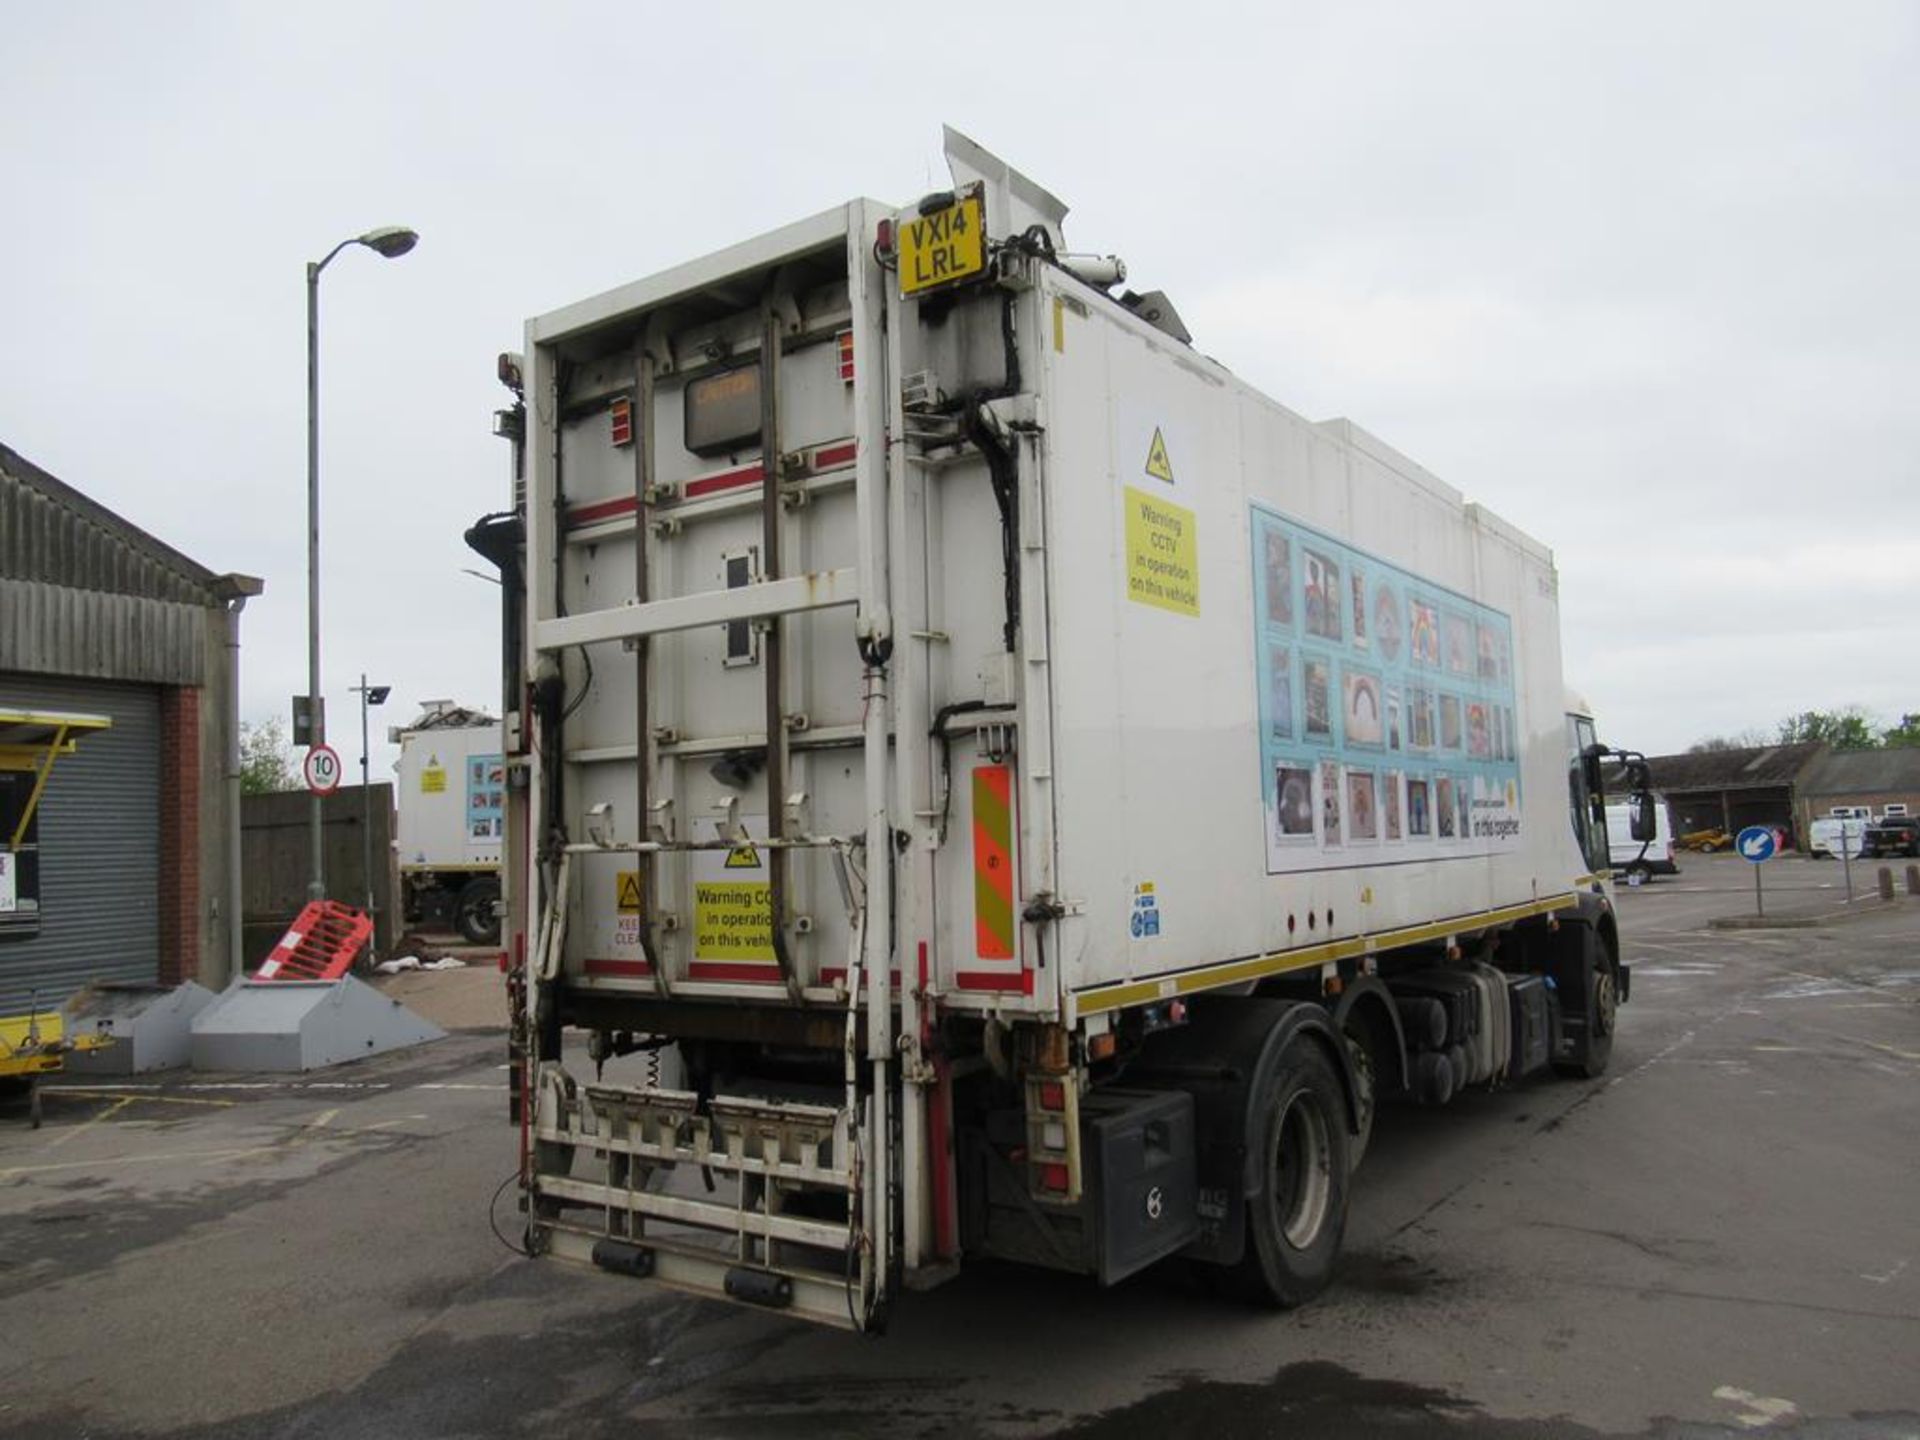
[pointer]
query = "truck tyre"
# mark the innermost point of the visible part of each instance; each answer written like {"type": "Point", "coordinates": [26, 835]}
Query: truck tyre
{"type": "Point", "coordinates": [1583, 973]}
{"type": "Point", "coordinates": [473, 913]}
{"type": "Point", "coordinates": [1296, 1221]}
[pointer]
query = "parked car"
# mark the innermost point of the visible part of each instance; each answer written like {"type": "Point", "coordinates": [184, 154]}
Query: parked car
{"type": "Point", "coordinates": [1892, 835]}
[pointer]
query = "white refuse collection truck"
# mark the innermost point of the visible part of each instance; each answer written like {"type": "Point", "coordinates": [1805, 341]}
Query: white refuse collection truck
{"type": "Point", "coordinates": [451, 815]}
{"type": "Point", "coordinates": [1042, 792]}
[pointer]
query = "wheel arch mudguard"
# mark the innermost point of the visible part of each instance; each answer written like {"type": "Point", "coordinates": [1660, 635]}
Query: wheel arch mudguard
{"type": "Point", "coordinates": [1369, 997]}
{"type": "Point", "coordinates": [1223, 1057]}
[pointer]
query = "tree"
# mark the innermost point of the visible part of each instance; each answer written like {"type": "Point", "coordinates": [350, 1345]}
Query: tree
{"type": "Point", "coordinates": [266, 764]}
{"type": "Point", "coordinates": [1907, 732]}
{"type": "Point", "coordinates": [1847, 729]}
{"type": "Point", "coordinates": [1746, 740]}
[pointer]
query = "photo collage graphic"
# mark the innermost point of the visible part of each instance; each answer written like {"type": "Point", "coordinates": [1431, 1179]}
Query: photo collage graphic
{"type": "Point", "coordinates": [1387, 726]}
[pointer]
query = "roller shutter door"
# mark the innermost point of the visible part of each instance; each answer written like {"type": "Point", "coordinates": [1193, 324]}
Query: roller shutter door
{"type": "Point", "coordinates": [99, 848]}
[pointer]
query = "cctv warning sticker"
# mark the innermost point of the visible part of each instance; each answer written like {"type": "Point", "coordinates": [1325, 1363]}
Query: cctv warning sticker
{"type": "Point", "coordinates": [733, 912]}
{"type": "Point", "coordinates": [9, 891]}
{"type": "Point", "coordinates": [1163, 553]}
{"type": "Point", "coordinates": [1158, 465]}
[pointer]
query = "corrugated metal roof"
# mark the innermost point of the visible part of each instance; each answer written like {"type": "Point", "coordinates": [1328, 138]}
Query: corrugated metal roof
{"type": "Point", "coordinates": [1863, 772]}
{"type": "Point", "coordinates": [1764, 765]}
{"type": "Point", "coordinates": [84, 593]}
{"type": "Point", "coordinates": [51, 533]}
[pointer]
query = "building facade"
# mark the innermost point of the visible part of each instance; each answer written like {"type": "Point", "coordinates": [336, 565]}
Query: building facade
{"type": "Point", "coordinates": [133, 835]}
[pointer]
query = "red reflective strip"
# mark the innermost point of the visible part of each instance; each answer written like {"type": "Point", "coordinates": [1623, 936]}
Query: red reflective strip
{"type": "Point", "coordinates": [601, 510]}
{"type": "Point", "coordinates": [725, 480]}
{"type": "Point", "coordinates": [619, 968]}
{"type": "Point", "coordinates": [1005, 982]}
{"type": "Point", "coordinates": [832, 457]}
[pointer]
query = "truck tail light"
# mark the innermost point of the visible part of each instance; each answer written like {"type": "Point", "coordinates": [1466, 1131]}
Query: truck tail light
{"type": "Point", "coordinates": [621, 412]}
{"type": "Point", "coordinates": [1053, 1095]}
{"type": "Point", "coordinates": [1053, 1176]}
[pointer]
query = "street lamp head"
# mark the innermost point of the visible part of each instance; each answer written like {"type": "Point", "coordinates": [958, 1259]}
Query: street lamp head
{"type": "Point", "coordinates": [392, 241]}
{"type": "Point", "coordinates": [377, 694]}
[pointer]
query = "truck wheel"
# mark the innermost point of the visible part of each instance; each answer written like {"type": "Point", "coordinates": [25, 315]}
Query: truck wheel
{"type": "Point", "coordinates": [1296, 1222]}
{"type": "Point", "coordinates": [1586, 970]}
{"type": "Point", "coordinates": [473, 913]}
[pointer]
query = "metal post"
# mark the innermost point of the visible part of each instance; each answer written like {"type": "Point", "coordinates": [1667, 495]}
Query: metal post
{"type": "Point", "coordinates": [389, 243]}
{"type": "Point", "coordinates": [1759, 906]}
{"type": "Point", "coordinates": [1846, 861]}
{"type": "Point", "coordinates": [366, 801]}
{"type": "Point", "coordinates": [317, 874]}
{"type": "Point", "coordinates": [236, 916]}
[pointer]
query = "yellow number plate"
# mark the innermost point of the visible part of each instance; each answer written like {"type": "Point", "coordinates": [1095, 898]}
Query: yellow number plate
{"type": "Point", "coordinates": [943, 248]}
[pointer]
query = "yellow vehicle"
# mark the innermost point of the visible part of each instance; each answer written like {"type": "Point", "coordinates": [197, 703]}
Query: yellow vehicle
{"type": "Point", "coordinates": [31, 741]}
{"type": "Point", "coordinates": [36, 1045]}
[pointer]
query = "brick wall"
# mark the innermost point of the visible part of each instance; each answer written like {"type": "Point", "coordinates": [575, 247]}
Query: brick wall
{"type": "Point", "coordinates": [180, 887]}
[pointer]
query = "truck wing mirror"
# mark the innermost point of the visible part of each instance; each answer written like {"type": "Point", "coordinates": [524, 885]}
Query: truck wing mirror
{"type": "Point", "coordinates": [1641, 816]}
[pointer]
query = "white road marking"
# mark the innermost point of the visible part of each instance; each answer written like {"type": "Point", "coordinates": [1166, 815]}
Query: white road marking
{"type": "Point", "coordinates": [1890, 1275]}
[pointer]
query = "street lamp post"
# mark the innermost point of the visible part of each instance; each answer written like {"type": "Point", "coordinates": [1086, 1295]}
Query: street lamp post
{"type": "Point", "coordinates": [369, 695]}
{"type": "Point", "coordinates": [390, 242]}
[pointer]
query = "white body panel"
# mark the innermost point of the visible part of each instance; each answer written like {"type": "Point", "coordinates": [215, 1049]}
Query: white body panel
{"type": "Point", "coordinates": [451, 798]}
{"type": "Point", "coordinates": [1159, 717]}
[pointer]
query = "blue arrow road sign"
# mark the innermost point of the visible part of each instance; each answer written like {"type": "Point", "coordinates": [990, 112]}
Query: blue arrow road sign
{"type": "Point", "coordinates": [1755, 843]}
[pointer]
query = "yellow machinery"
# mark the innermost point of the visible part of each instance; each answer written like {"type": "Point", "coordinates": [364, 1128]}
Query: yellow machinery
{"type": "Point", "coordinates": [31, 741]}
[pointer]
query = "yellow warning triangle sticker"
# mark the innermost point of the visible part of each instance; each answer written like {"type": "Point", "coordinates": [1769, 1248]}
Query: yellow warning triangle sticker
{"type": "Point", "coordinates": [627, 896]}
{"type": "Point", "coordinates": [1158, 465]}
{"type": "Point", "coordinates": [743, 857]}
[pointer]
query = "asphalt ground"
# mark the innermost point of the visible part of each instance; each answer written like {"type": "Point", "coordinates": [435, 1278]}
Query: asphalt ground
{"type": "Point", "coordinates": [1722, 1235]}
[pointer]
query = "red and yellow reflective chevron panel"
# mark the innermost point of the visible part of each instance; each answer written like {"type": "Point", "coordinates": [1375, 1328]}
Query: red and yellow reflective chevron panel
{"type": "Point", "coordinates": [993, 862]}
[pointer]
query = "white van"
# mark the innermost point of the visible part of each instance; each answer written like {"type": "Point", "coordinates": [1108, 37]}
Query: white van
{"type": "Point", "coordinates": [1630, 856]}
{"type": "Point", "coordinates": [1842, 825]}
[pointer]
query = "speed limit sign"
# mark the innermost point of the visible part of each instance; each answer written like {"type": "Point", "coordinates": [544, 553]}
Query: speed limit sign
{"type": "Point", "coordinates": [321, 770]}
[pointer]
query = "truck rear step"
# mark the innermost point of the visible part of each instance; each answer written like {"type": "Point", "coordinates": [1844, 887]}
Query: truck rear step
{"type": "Point", "coordinates": [775, 1224]}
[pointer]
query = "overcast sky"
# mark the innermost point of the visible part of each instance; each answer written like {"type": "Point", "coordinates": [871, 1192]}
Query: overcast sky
{"type": "Point", "coordinates": [1644, 279]}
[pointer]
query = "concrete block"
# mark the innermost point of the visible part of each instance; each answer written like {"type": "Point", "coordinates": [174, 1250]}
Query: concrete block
{"type": "Point", "coordinates": [292, 1025]}
{"type": "Point", "coordinates": [151, 1026]}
